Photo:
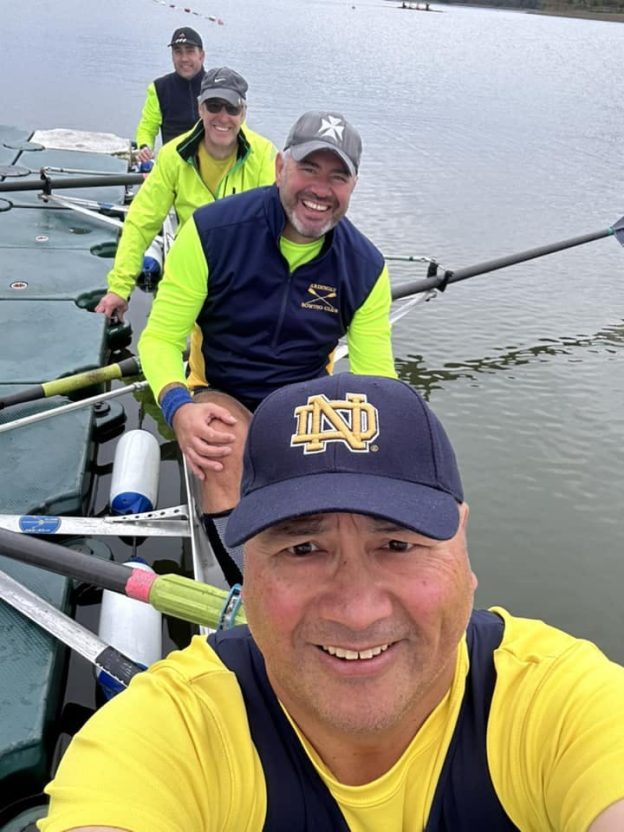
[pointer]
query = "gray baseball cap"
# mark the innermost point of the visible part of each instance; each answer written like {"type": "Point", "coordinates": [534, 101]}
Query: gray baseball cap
{"type": "Point", "coordinates": [321, 130]}
{"type": "Point", "coordinates": [225, 83]}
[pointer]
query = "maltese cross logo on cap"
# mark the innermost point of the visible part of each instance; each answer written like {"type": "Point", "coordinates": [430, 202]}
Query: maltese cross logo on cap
{"type": "Point", "coordinates": [331, 127]}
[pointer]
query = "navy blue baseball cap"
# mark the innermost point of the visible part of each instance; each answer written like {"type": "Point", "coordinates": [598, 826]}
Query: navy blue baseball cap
{"type": "Point", "coordinates": [348, 443]}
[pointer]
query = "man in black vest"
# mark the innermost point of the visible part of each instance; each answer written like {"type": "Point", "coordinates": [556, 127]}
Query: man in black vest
{"type": "Point", "coordinates": [366, 693]}
{"type": "Point", "coordinates": [171, 103]}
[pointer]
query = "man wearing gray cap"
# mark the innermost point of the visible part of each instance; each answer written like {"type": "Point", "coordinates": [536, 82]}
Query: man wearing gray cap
{"type": "Point", "coordinates": [171, 101]}
{"type": "Point", "coordinates": [268, 282]}
{"type": "Point", "coordinates": [366, 693]}
{"type": "Point", "coordinates": [218, 157]}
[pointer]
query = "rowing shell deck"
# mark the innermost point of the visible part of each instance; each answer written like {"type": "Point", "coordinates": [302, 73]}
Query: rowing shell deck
{"type": "Point", "coordinates": [53, 265]}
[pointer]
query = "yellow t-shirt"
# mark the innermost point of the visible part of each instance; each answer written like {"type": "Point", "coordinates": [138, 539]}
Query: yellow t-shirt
{"type": "Point", "coordinates": [213, 170]}
{"type": "Point", "coordinates": [174, 754]}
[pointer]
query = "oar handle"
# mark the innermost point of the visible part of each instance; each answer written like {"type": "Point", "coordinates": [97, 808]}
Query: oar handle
{"type": "Point", "coordinates": [191, 600]}
{"type": "Point", "coordinates": [135, 387]}
{"type": "Point", "coordinates": [69, 384]}
{"type": "Point", "coordinates": [175, 595]}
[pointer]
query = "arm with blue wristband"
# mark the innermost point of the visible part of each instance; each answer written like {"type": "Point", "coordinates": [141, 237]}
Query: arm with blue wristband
{"type": "Point", "coordinates": [199, 429]}
{"type": "Point", "coordinates": [172, 400]}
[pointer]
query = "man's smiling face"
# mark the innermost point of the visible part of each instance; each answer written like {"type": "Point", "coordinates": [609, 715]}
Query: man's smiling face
{"type": "Point", "coordinates": [314, 192]}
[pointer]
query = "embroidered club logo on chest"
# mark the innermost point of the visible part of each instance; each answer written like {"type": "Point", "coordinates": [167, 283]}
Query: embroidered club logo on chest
{"type": "Point", "coordinates": [353, 421]}
{"type": "Point", "coordinates": [321, 298]}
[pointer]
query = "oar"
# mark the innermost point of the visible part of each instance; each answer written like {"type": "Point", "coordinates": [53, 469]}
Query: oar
{"type": "Point", "coordinates": [46, 184]}
{"type": "Point", "coordinates": [174, 595]}
{"type": "Point", "coordinates": [440, 281]}
{"type": "Point", "coordinates": [106, 659]}
{"type": "Point", "coordinates": [69, 408]}
{"type": "Point", "coordinates": [69, 384]}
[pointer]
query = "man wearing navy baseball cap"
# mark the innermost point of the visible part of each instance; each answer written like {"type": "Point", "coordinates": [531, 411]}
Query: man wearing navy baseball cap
{"type": "Point", "coordinates": [365, 692]}
{"type": "Point", "coordinates": [267, 282]}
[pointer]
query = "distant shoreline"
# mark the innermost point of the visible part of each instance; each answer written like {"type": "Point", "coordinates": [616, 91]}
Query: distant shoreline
{"type": "Point", "coordinates": [583, 14]}
{"type": "Point", "coordinates": [614, 17]}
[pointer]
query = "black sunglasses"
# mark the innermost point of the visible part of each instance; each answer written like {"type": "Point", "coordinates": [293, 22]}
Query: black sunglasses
{"type": "Point", "coordinates": [214, 105]}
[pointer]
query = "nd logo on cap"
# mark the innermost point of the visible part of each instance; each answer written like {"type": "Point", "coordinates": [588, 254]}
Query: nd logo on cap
{"type": "Point", "coordinates": [351, 420]}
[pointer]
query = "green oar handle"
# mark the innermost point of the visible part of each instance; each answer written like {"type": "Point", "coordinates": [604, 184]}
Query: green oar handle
{"type": "Point", "coordinates": [191, 601]}
{"type": "Point", "coordinates": [172, 594]}
{"type": "Point", "coordinates": [69, 384]}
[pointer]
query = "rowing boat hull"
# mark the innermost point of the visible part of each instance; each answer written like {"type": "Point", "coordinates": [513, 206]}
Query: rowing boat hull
{"type": "Point", "coordinates": [50, 273]}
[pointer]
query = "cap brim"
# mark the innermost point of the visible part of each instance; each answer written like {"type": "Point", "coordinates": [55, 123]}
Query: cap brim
{"type": "Point", "coordinates": [230, 96]}
{"type": "Point", "coordinates": [422, 509]}
{"type": "Point", "coordinates": [185, 43]}
{"type": "Point", "coordinates": [300, 151]}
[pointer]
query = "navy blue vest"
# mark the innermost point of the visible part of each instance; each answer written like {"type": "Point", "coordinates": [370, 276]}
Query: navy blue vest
{"type": "Point", "coordinates": [177, 97]}
{"type": "Point", "coordinates": [299, 801]}
{"type": "Point", "coordinates": [263, 327]}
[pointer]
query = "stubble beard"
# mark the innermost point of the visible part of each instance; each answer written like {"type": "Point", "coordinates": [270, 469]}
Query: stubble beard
{"type": "Point", "coordinates": [310, 232]}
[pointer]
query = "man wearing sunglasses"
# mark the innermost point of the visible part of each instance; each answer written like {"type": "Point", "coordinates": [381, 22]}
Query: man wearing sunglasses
{"type": "Point", "coordinates": [268, 282]}
{"type": "Point", "coordinates": [217, 158]}
{"type": "Point", "coordinates": [171, 102]}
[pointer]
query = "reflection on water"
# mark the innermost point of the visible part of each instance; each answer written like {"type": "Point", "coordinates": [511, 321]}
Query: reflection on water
{"type": "Point", "coordinates": [414, 370]}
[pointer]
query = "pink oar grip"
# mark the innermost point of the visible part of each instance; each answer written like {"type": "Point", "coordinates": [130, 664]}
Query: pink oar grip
{"type": "Point", "coordinates": [139, 584]}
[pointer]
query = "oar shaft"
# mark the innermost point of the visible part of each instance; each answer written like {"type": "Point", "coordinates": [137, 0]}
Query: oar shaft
{"type": "Point", "coordinates": [69, 562]}
{"type": "Point", "coordinates": [175, 595]}
{"type": "Point", "coordinates": [530, 254]}
{"type": "Point", "coordinates": [48, 184]}
{"type": "Point", "coordinates": [427, 283]}
{"type": "Point", "coordinates": [69, 384]}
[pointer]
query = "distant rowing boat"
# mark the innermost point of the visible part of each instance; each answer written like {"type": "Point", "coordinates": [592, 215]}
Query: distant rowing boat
{"type": "Point", "coordinates": [418, 7]}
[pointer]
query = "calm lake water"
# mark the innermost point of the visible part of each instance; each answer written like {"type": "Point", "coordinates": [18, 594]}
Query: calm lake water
{"type": "Point", "coordinates": [485, 133]}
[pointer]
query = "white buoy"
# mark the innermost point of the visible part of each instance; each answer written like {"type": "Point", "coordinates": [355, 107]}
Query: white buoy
{"type": "Point", "coordinates": [132, 627]}
{"type": "Point", "coordinates": [136, 467]}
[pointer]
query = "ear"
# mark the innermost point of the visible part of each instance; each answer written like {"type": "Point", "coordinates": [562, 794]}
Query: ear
{"type": "Point", "coordinates": [279, 167]}
{"type": "Point", "coordinates": [464, 511]}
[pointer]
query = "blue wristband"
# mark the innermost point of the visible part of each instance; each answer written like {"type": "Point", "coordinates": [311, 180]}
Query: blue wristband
{"type": "Point", "coordinates": [172, 401]}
